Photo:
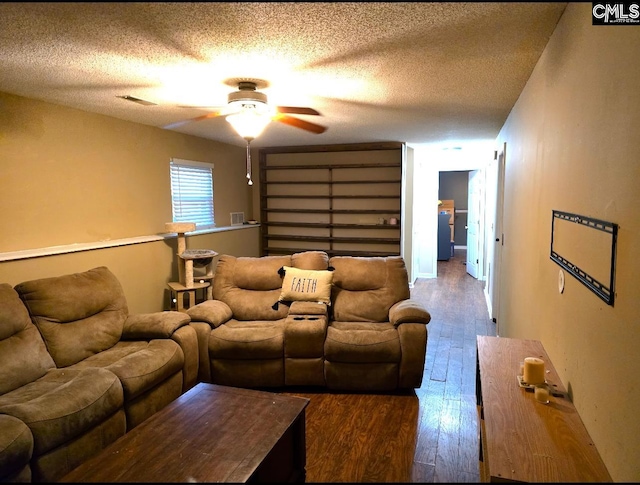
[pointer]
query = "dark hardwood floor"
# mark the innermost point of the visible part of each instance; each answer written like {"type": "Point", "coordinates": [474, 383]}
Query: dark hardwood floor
{"type": "Point", "coordinates": [426, 435]}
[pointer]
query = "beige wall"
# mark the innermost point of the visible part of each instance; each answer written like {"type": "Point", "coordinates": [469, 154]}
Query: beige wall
{"type": "Point", "coordinates": [572, 145]}
{"type": "Point", "coordinates": [70, 176]}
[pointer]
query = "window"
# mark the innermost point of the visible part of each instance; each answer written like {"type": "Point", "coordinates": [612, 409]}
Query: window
{"type": "Point", "coordinates": [192, 192]}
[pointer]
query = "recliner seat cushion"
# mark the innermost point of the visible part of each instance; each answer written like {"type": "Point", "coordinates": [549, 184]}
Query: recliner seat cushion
{"type": "Point", "coordinates": [78, 314]}
{"type": "Point", "coordinates": [238, 340]}
{"type": "Point", "coordinates": [349, 342]}
{"type": "Point", "coordinates": [64, 404]}
{"type": "Point", "coordinates": [23, 355]}
{"type": "Point", "coordinates": [139, 365]}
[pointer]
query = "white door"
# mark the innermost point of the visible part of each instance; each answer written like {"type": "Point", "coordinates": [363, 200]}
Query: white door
{"type": "Point", "coordinates": [473, 222]}
{"type": "Point", "coordinates": [498, 236]}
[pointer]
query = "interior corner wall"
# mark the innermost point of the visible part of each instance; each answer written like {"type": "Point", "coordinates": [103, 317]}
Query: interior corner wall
{"type": "Point", "coordinates": [572, 145]}
{"type": "Point", "coordinates": [425, 196]}
{"type": "Point", "coordinates": [406, 238]}
{"type": "Point", "coordinates": [71, 177]}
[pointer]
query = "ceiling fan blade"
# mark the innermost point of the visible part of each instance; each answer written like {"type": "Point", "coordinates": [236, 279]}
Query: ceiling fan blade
{"type": "Point", "coordinates": [191, 120]}
{"type": "Point", "coordinates": [298, 123]}
{"type": "Point", "coordinates": [297, 110]}
{"type": "Point", "coordinates": [200, 107]}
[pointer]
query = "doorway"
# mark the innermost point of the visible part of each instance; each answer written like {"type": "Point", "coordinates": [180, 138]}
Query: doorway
{"type": "Point", "coordinates": [432, 161]}
{"type": "Point", "coordinates": [461, 194]}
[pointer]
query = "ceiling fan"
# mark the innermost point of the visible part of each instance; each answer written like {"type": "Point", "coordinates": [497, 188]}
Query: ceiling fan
{"type": "Point", "coordinates": [247, 110]}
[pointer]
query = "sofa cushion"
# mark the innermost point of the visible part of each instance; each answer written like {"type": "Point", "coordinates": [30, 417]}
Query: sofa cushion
{"type": "Point", "coordinates": [258, 274]}
{"type": "Point", "coordinates": [317, 260]}
{"type": "Point", "coordinates": [364, 289]}
{"type": "Point", "coordinates": [238, 340]}
{"type": "Point", "coordinates": [362, 343]}
{"type": "Point", "coordinates": [250, 286]}
{"type": "Point", "coordinates": [307, 308]}
{"type": "Point", "coordinates": [23, 355]}
{"type": "Point", "coordinates": [64, 404]}
{"type": "Point", "coordinates": [140, 365]}
{"type": "Point", "coordinates": [78, 314]}
{"type": "Point", "coordinates": [306, 285]}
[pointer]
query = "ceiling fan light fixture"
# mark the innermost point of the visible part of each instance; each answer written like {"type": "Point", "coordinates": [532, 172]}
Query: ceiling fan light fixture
{"type": "Point", "coordinates": [250, 121]}
{"type": "Point", "coordinates": [245, 95]}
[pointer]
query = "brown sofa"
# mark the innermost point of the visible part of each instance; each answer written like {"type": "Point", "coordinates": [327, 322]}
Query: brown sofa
{"type": "Point", "coordinates": [370, 336]}
{"type": "Point", "coordinates": [77, 371]}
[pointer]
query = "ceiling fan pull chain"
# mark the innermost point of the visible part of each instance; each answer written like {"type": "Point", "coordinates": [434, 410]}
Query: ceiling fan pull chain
{"type": "Point", "coordinates": [250, 182]}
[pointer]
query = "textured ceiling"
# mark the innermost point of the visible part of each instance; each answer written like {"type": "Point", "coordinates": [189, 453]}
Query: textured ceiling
{"type": "Point", "coordinates": [410, 72]}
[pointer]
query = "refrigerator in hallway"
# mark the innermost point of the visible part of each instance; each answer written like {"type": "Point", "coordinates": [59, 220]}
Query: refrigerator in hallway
{"type": "Point", "coordinates": [444, 237]}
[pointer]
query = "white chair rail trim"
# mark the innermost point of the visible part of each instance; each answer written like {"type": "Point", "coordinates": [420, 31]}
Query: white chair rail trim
{"type": "Point", "coordinates": [76, 247]}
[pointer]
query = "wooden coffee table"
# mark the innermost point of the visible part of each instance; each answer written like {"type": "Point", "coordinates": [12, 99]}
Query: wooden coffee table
{"type": "Point", "coordinates": [209, 434]}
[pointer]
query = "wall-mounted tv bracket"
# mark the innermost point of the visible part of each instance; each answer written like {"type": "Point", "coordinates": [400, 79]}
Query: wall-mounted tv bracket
{"type": "Point", "coordinates": [604, 291]}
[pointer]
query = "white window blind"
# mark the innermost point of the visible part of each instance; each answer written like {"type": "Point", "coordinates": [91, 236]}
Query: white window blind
{"type": "Point", "coordinates": [192, 192]}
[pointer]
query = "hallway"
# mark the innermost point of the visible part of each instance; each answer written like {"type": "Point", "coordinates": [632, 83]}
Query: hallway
{"type": "Point", "coordinates": [458, 314]}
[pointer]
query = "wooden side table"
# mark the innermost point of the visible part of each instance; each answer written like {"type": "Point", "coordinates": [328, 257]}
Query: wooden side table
{"type": "Point", "coordinates": [522, 439]}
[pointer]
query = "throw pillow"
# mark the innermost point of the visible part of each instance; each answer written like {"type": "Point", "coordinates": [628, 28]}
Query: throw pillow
{"type": "Point", "coordinates": [306, 285]}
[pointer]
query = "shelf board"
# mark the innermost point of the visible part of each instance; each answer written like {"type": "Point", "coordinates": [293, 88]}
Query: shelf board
{"type": "Point", "coordinates": [332, 182]}
{"type": "Point", "coordinates": [330, 252]}
{"type": "Point", "coordinates": [332, 197]}
{"type": "Point", "coordinates": [322, 225]}
{"type": "Point", "coordinates": [335, 211]}
{"type": "Point", "coordinates": [338, 239]}
{"type": "Point", "coordinates": [331, 167]}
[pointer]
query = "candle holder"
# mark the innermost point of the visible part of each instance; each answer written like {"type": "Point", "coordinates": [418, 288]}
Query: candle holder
{"type": "Point", "coordinates": [525, 385]}
{"type": "Point", "coordinates": [541, 393]}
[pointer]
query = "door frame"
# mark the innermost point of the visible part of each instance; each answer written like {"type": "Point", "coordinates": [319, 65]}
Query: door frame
{"type": "Point", "coordinates": [495, 239]}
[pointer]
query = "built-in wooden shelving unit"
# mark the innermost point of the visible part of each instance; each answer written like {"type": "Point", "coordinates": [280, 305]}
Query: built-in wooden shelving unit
{"type": "Point", "coordinates": [331, 198]}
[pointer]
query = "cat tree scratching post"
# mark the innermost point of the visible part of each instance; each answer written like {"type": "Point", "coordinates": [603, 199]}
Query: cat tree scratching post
{"type": "Point", "coordinates": [199, 258]}
{"type": "Point", "coordinates": [186, 261]}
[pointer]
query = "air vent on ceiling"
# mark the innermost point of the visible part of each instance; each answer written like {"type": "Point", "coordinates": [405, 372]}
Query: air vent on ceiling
{"type": "Point", "coordinates": [133, 99]}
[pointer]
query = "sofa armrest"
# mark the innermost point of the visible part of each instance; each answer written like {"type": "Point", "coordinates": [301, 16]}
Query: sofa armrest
{"type": "Point", "coordinates": [16, 450]}
{"type": "Point", "coordinates": [213, 312]}
{"type": "Point", "coordinates": [408, 311]}
{"type": "Point", "coordinates": [307, 308]}
{"type": "Point", "coordinates": [153, 325]}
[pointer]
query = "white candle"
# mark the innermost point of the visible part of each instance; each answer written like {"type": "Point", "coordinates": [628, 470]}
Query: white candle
{"type": "Point", "coordinates": [542, 394]}
{"type": "Point", "coordinates": [533, 371]}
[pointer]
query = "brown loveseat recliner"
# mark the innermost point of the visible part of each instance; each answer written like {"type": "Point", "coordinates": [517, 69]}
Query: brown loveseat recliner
{"type": "Point", "coordinates": [370, 337]}
{"type": "Point", "coordinates": [77, 371]}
